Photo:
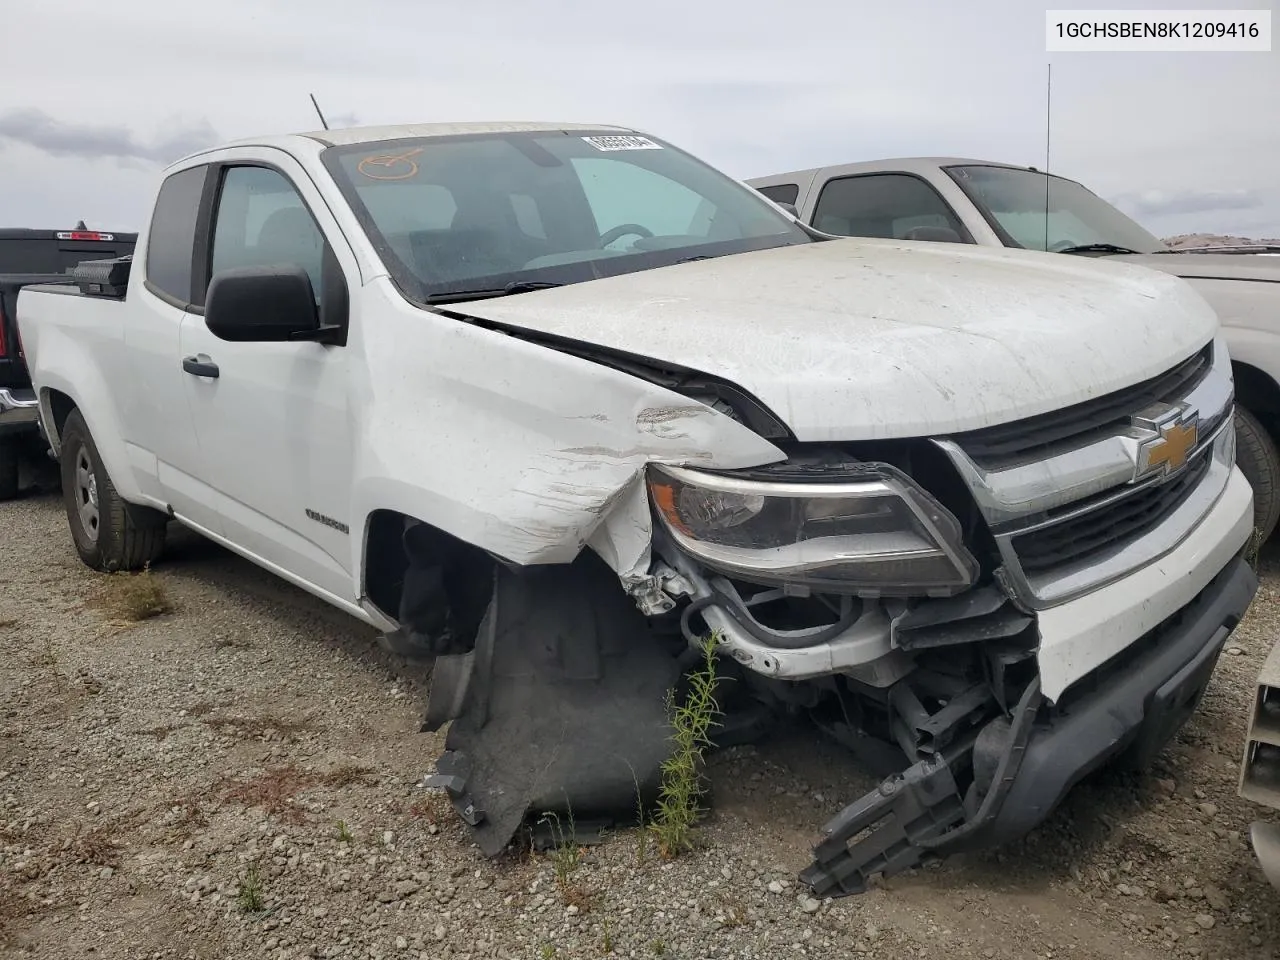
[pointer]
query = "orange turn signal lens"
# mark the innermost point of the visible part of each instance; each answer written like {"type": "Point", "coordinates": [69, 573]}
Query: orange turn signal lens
{"type": "Point", "coordinates": [664, 497]}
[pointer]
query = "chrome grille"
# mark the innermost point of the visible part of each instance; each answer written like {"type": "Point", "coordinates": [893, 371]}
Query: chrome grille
{"type": "Point", "coordinates": [1092, 533]}
{"type": "Point", "coordinates": [1066, 496]}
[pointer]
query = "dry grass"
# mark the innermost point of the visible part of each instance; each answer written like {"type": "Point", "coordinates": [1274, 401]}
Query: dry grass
{"type": "Point", "coordinates": [273, 790]}
{"type": "Point", "coordinates": [192, 815]}
{"type": "Point", "coordinates": [574, 895]}
{"type": "Point", "coordinates": [94, 846]}
{"type": "Point", "coordinates": [434, 808]}
{"type": "Point", "coordinates": [159, 732]}
{"type": "Point", "coordinates": [349, 775]}
{"type": "Point", "coordinates": [732, 910]}
{"type": "Point", "coordinates": [187, 815]}
{"type": "Point", "coordinates": [100, 845]}
{"type": "Point", "coordinates": [134, 597]}
{"type": "Point", "coordinates": [260, 726]}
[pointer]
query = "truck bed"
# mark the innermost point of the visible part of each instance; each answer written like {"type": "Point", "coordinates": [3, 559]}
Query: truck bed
{"type": "Point", "coordinates": [13, 370]}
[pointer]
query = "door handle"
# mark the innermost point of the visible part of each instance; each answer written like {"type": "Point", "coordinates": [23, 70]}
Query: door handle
{"type": "Point", "coordinates": [200, 366]}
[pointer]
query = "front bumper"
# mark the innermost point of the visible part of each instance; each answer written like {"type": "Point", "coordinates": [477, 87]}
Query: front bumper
{"type": "Point", "coordinates": [1134, 707]}
{"type": "Point", "coordinates": [1081, 635]}
{"type": "Point", "coordinates": [19, 411]}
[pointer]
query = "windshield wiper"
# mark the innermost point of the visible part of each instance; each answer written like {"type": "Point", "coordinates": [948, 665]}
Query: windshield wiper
{"type": "Point", "coordinates": [1097, 248]}
{"type": "Point", "coordinates": [515, 286]}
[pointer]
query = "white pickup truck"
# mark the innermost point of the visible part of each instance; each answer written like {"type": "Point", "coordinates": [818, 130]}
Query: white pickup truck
{"type": "Point", "coordinates": [549, 404]}
{"type": "Point", "coordinates": [950, 199]}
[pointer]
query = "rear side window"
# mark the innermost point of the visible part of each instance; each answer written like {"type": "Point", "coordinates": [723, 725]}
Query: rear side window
{"type": "Point", "coordinates": [171, 241]}
{"type": "Point", "coordinates": [781, 192]}
{"type": "Point", "coordinates": [895, 206]}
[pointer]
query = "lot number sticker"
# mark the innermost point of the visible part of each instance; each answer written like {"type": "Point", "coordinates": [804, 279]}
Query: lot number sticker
{"type": "Point", "coordinates": [622, 143]}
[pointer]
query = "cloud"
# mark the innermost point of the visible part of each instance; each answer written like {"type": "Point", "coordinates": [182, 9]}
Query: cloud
{"type": "Point", "coordinates": [62, 138]}
{"type": "Point", "coordinates": [1163, 203]}
{"type": "Point", "coordinates": [749, 89]}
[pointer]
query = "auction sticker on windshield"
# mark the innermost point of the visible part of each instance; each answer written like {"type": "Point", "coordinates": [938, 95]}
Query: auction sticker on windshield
{"type": "Point", "coordinates": [622, 143]}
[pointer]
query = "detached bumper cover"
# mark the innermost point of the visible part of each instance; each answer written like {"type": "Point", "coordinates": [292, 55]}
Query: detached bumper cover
{"type": "Point", "coordinates": [1133, 707]}
{"type": "Point", "coordinates": [1136, 709]}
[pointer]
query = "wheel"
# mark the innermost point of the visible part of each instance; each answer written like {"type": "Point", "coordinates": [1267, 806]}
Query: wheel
{"type": "Point", "coordinates": [1259, 461]}
{"type": "Point", "coordinates": [8, 470]}
{"type": "Point", "coordinates": [109, 533]}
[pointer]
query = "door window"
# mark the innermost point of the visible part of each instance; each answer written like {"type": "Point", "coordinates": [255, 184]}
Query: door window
{"type": "Point", "coordinates": [262, 221]}
{"type": "Point", "coordinates": [782, 192]}
{"type": "Point", "coordinates": [895, 206]}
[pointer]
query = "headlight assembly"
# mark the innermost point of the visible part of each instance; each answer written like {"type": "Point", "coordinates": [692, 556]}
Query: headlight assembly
{"type": "Point", "coordinates": [877, 535]}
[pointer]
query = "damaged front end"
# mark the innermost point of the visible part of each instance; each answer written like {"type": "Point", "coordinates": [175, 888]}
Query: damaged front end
{"type": "Point", "coordinates": [851, 594]}
{"type": "Point", "coordinates": [902, 595]}
{"type": "Point", "coordinates": [837, 587]}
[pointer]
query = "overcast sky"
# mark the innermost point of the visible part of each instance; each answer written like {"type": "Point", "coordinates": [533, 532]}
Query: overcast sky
{"type": "Point", "coordinates": [97, 96]}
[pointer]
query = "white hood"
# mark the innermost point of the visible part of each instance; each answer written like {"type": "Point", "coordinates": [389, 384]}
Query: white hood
{"type": "Point", "coordinates": [1212, 266]}
{"type": "Point", "coordinates": [862, 339]}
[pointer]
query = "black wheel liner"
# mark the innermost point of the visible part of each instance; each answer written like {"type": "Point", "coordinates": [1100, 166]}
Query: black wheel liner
{"type": "Point", "coordinates": [564, 710]}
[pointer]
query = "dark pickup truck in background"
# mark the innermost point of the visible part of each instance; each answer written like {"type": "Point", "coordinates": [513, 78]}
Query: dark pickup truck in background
{"type": "Point", "coordinates": [26, 257]}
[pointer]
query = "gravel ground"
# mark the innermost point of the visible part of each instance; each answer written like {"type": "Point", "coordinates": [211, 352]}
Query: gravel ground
{"type": "Point", "coordinates": [237, 779]}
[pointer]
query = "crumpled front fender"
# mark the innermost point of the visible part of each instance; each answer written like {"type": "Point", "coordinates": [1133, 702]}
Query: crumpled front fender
{"type": "Point", "coordinates": [519, 449]}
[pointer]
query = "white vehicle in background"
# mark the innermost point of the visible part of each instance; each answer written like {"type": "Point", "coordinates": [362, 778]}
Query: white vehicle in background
{"type": "Point", "coordinates": [948, 199]}
{"type": "Point", "coordinates": [551, 404]}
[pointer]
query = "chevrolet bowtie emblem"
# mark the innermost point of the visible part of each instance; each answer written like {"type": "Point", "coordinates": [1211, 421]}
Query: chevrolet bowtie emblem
{"type": "Point", "coordinates": [1168, 452]}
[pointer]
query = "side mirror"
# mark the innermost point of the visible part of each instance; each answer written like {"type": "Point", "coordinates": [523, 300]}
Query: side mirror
{"type": "Point", "coordinates": [262, 304]}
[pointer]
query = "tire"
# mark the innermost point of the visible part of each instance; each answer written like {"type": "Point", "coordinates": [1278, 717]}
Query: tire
{"type": "Point", "coordinates": [1259, 461]}
{"type": "Point", "coordinates": [9, 457]}
{"type": "Point", "coordinates": [109, 534]}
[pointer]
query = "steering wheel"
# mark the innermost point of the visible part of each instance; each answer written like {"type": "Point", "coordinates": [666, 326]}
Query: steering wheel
{"type": "Point", "coordinates": [622, 230]}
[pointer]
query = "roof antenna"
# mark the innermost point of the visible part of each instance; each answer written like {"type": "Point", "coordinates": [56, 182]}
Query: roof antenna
{"type": "Point", "coordinates": [1048, 107]}
{"type": "Point", "coordinates": [324, 123]}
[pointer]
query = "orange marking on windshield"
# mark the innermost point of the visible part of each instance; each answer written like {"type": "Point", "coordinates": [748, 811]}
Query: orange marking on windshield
{"type": "Point", "coordinates": [391, 166]}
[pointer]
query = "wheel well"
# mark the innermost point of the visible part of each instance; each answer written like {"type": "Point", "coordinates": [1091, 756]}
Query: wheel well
{"type": "Point", "coordinates": [465, 571]}
{"type": "Point", "coordinates": [1259, 394]}
{"type": "Point", "coordinates": [60, 405]}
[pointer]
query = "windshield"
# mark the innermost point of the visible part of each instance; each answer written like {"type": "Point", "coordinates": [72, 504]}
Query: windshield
{"type": "Point", "coordinates": [497, 213]}
{"type": "Point", "coordinates": [1013, 201]}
